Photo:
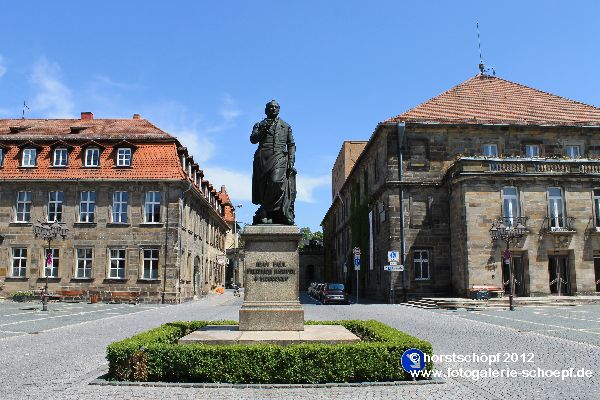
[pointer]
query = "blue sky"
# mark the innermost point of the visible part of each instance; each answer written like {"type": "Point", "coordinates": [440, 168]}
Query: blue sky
{"type": "Point", "coordinates": [204, 70]}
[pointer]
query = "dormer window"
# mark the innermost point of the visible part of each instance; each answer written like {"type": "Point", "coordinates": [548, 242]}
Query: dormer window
{"type": "Point", "coordinates": [61, 157]}
{"type": "Point", "coordinates": [92, 157]}
{"type": "Point", "coordinates": [29, 157]}
{"type": "Point", "coordinates": [124, 157]}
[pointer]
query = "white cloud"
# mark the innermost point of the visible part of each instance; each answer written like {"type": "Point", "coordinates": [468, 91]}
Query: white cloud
{"type": "Point", "coordinates": [239, 184]}
{"type": "Point", "coordinates": [306, 185]}
{"type": "Point", "coordinates": [229, 111]}
{"type": "Point", "coordinates": [54, 98]}
{"type": "Point", "coordinates": [2, 66]}
{"type": "Point", "coordinates": [200, 146]}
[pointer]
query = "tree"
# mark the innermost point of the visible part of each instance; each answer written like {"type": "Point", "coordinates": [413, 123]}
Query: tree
{"type": "Point", "coordinates": [307, 236]}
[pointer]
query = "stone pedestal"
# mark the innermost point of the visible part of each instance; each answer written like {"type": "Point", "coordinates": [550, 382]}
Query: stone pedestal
{"type": "Point", "coordinates": [271, 279]}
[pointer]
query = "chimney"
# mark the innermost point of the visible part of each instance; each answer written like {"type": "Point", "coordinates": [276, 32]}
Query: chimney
{"type": "Point", "coordinates": [87, 116]}
{"type": "Point", "coordinates": [137, 116]}
{"type": "Point", "coordinates": [223, 190]}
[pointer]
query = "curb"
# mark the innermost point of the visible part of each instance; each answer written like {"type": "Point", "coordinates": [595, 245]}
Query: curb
{"type": "Point", "coordinates": [101, 381]}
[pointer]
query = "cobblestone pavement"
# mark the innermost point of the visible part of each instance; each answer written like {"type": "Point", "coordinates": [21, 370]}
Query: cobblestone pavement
{"type": "Point", "coordinates": [66, 353]}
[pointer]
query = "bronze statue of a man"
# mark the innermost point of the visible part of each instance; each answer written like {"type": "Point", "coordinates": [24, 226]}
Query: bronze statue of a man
{"type": "Point", "coordinates": [273, 173]}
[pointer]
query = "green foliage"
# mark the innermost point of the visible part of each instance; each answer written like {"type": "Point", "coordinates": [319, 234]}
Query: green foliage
{"type": "Point", "coordinates": [359, 226]}
{"type": "Point", "coordinates": [308, 235]}
{"type": "Point", "coordinates": [155, 356]}
{"type": "Point", "coordinates": [26, 293]}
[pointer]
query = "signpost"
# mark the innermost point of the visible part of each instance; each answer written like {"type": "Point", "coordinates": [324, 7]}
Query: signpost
{"type": "Point", "coordinates": [356, 252]}
{"type": "Point", "coordinates": [393, 268]}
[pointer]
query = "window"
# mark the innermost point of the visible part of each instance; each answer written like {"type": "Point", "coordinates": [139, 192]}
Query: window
{"type": "Point", "coordinates": [1, 157]}
{"type": "Point", "coordinates": [597, 207]}
{"type": "Point", "coordinates": [50, 263]}
{"type": "Point", "coordinates": [421, 264]}
{"type": "Point", "coordinates": [84, 263]}
{"type": "Point", "coordinates": [573, 151]}
{"type": "Point", "coordinates": [55, 200]}
{"type": "Point", "coordinates": [556, 208]}
{"type": "Point", "coordinates": [119, 212]}
{"type": "Point", "coordinates": [532, 150]}
{"type": "Point", "coordinates": [490, 150]}
{"type": "Point", "coordinates": [510, 205]}
{"type": "Point", "coordinates": [152, 207]}
{"type": "Point", "coordinates": [61, 157]}
{"type": "Point", "coordinates": [117, 264]}
{"type": "Point", "coordinates": [29, 158]}
{"type": "Point", "coordinates": [19, 262]}
{"type": "Point", "coordinates": [87, 206]}
{"type": "Point", "coordinates": [23, 213]}
{"type": "Point", "coordinates": [92, 157]}
{"type": "Point", "coordinates": [150, 264]}
{"type": "Point", "coordinates": [124, 157]}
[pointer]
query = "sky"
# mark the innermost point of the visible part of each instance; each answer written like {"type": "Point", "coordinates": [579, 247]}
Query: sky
{"type": "Point", "coordinates": [203, 70]}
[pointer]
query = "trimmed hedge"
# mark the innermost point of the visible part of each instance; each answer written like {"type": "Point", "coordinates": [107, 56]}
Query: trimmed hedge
{"type": "Point", "coordinates": [154, 355]}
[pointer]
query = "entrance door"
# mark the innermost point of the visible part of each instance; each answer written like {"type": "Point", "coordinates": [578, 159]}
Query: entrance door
{"type": "Point", "coordinates": [518, 270]}
{"type": "Point", "coordinates": [597, 272]}
{"type": "Point", "coordinates": [558, 268]}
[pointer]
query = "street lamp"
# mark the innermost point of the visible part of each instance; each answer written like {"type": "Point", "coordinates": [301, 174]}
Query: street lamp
{"type": "Point", "coordinates": [509, 230]}
{"type": "Point", "coordinates": [48, 231]}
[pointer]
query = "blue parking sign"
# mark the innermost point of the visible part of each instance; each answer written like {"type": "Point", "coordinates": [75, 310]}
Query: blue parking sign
{"type": "Point", "coordinates": [357, 262]}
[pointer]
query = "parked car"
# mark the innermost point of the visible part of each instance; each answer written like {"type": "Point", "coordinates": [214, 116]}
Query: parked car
{"type": "Point", "coordinates": [334, 293]}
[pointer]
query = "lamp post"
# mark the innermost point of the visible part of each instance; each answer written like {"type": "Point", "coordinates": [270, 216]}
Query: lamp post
{"type": "Point", "coordinates": [48, 231]}
{"type": "Point", "coordinates": [509, 230]}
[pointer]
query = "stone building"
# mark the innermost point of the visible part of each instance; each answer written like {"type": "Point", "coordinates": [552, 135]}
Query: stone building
{"type": "Point", "coordinates": [311, 263]}
{"type": "Point", "coordinates": [432, 180]}
{"type": "Point", "coordinates": [344, 162]}
{"type": "Point", "coordinates": [141, 216]}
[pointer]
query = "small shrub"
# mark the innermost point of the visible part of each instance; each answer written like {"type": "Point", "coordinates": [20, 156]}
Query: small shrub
{"type": "Point", "coordinates": [154, 355]}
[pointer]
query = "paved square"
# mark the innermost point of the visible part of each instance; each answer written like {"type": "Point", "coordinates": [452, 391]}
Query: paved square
{"type": "Point", "coordinates": [56, 355]}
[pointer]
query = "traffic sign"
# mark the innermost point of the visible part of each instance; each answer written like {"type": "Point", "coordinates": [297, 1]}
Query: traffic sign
{"type": "Point", "coordinates": [393, 256]}
{"type": "Point", "coordinates": [393, 268]}
{"type": "Point", "coordinates": [356, 262]}
{"type": "Point", "coordinates": [393, 263]}
{"type": "Point", "coordinates": [356, 251]}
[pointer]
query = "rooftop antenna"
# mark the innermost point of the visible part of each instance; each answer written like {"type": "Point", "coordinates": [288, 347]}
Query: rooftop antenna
{"type": "Point", "coordinates": [24, 107]}
{"type": "Point", "coordinates": [482, 68]}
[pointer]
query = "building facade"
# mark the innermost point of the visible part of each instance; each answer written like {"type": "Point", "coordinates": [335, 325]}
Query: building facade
{"type": "Point", "coordinates": [433, 180]}
{"type": "Point", "coordinates": [141, 216]}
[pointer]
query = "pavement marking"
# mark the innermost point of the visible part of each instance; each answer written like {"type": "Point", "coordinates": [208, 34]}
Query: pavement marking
{"type": "Point", "coordinates": [60, 316]}
{"type": "Point", "coordinates": [456, 315]}
{"type": "Point", "coordinates": [87, 322]}
{"type": "Point", "coordinates": [562, 316]}
{"type": "Point", "coordinates": [559, 327]}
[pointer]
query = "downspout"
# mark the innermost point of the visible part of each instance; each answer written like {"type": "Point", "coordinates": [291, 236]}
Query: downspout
{"type": "Point", "coordinates": [180, 233]}
{"type": "Point", "coordinates": [166, 249]}
{"type": "Point", "coordinates": [400, 132]}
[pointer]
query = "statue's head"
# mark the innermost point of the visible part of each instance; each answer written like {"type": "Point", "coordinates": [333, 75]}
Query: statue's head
{"type": "Point", "coordinates": [272, 109]}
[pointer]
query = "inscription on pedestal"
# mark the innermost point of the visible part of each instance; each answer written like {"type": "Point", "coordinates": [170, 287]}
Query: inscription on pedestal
{"type": "Point", "coordinates": [265, 272]}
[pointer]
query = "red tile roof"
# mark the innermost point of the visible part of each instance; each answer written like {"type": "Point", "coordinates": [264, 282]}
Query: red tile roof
{"type": "Point", "coordinates": [486, 99]}
{"type": "Point", "coordinates": [85, 129]}
{"type": "Point", "coordinates": [149, 161]}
